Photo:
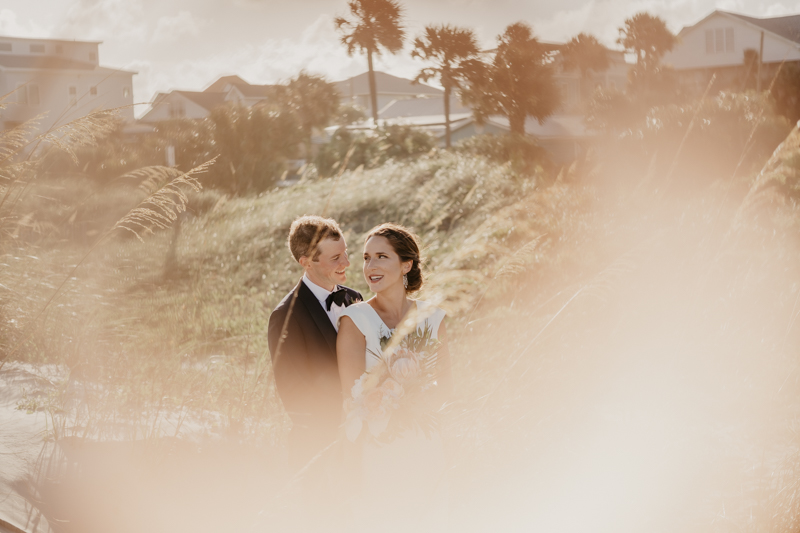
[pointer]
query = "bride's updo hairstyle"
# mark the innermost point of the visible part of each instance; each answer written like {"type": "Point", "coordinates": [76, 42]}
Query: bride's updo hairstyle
{"type": "Point", "coordinates": [404, 243]}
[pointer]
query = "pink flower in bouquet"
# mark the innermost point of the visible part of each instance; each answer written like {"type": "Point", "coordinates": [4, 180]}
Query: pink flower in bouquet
{"type": "Point", "coordinates": [373, 403]}
{"type": "Point", "coordinates": [404, 366]}
{"type": "Point", "coordinates": [392, 388]}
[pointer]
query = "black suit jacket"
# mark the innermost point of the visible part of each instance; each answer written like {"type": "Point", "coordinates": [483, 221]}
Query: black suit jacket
{"type": "Point", "coordinates": [306, 371]}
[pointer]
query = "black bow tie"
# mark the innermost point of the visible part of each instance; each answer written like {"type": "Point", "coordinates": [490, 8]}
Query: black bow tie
{"type": "Point", "coordinates": [338, 297]}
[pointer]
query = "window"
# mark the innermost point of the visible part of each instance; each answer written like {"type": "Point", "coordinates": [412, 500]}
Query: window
{"type": "Point", "coordinates": [22, 95]}
{"type": "Point", "coordinates": [126, 92]}
{"type": "Point", "coordinates": [33, 95]}
{"type": "Point", "coordinates": [27, 94]}
{"type": "Point", "coordinates": [176, 110]}
{"type": "Point", "coordinates": [719, 40]}
{"type": "Point", "coordinates": [5, 47]}
{"type": "Point", "coordinates": [92, 56]}
{"type": "Point", "coordinates": [37, 48]}
{"type": "Point", "coordinates": [93, 91]}
{"type": "Point", "coordinates": [59, 49]}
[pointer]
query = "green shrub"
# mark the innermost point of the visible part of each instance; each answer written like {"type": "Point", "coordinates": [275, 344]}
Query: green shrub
{"type": "Point", "coordinates": [732, 134]}
{"type": "Point", "coordinates": [254, 144]}
{"type": "Point", "coordinates": [523, 153]}
{"type": "Point", "coordinates": [786, 92]}
{"type": "Point", "coordinates": [372, 150]}
{"type": "Point", "coordinates": [614, 112]}
{"type": "Point", "coordinates": [728, 128]}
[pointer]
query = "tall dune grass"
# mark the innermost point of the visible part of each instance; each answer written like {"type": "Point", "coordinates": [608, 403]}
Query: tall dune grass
{"type": "Point", "coordinates": [622, 362]}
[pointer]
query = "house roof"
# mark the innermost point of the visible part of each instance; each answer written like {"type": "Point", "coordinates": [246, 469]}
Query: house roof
{"type": "Point", "coordinates": [787, 27]}
{"type": "Point", "coordinates": [385, 83]}
{"type": "Point", "coordinates": [206, 100]}
{"type": "Point", "coordinates": [47, 40]}
{"type": "Point", "coordinates": [255, 91]}
{"type": "Point", "coordinates": [112, 71]}
{"type": "Point", "coordinates": [415, 107]}
{"type": "Point", "coordinates": [43, 62]}
{"type": "Point", "coordinates": [220, 84]}
{"type": "Point", "coordinates": [248, 90]}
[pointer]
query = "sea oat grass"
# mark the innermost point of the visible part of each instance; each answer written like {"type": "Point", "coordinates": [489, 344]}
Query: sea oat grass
{"type": "Point", "coordinates": [605, 347]}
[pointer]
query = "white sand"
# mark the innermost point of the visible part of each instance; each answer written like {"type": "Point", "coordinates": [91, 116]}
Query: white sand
{"type": "Point", "coordinates": [21, 444]}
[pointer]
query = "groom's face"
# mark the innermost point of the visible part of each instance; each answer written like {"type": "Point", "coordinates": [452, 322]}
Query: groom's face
{"type": "Point", "coordinates": [328, 269]}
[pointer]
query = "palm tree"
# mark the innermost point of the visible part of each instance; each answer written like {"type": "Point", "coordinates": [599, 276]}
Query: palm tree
{"type": "Point", "coordinates": [649, 38]}
{"type": "Point", "coordinates": [585, 53]}
{"type": "Point", "coordinates": [518, 83]}
{"type": "Point", "coordinates": [454, 51]}
{"type": "Point", "coordinates": [375, 24]}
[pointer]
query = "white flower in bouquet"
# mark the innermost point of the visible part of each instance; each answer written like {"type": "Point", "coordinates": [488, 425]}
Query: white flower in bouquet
{"type": "Point", "coordinates": [391, 393]}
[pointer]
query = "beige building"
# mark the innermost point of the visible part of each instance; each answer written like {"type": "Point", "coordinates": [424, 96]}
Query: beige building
{"type": "Point", "coordinates": [719, 43]}
{"type": "Point", "coordinates": [61, 79]}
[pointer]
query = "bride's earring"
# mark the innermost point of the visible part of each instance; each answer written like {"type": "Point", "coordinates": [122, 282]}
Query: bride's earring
{"type": "Point", "coordinates": [405, 281]}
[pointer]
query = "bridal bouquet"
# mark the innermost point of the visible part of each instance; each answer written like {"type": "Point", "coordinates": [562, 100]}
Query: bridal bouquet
{"type": "Point", "coordinates": [391, 397]}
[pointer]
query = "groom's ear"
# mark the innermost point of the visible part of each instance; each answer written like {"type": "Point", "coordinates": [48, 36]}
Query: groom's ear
{"type": "Point", "coordinates": [304, 261]}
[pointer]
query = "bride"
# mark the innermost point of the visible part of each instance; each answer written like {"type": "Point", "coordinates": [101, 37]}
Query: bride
{"type": "Point", "coordinates": [403, 477]}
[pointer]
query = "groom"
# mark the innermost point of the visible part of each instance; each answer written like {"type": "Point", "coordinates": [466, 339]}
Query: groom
{"type": "Point", "coordinates": [302, 337]}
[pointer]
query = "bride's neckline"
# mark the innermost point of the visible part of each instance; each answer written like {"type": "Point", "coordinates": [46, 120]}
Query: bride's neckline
{"type": "Point", "coordinates": [416, 304]}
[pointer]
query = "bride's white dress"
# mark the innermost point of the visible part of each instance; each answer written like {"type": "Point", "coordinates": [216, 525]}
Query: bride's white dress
{"type": "Point", "coordinates": [403, 481]}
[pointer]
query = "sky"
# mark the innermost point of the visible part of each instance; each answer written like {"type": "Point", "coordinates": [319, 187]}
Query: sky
{"type": "Point", "coordinates": [187, 44]}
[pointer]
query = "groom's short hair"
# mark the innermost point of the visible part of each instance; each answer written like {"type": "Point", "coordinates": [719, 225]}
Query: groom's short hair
{"type": "Point", "coordinates": [308, 231]}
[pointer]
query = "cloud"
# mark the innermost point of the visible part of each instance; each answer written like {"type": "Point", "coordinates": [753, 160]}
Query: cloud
{"type": "Point", "coordinates": [317, 50]}
{"type": "Point", "coordinates": [120, 20]}
{"type": "Point", "coordinates": [603, 18]}
{"type": "Point", "coordinates": [285, 42]}
{"type": "Point", "coordinates": [779, 9]}
{"type": "Point", "coordinates": [172, 29]}
{"type": "Point", "coordinates": [9, 25]}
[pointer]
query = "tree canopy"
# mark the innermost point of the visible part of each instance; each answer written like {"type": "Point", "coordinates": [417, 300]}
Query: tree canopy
{"type": "Point", "coordinates": [518, 83]}
{"type": "Point", "coordinates": [585, 54]}
{"type": "Point", "coordinates": [373, 25]}
{"type": "Point", "coordinates": [453, 51]}
{"type": "Point", "coordinates": [648, 37]}
{"type": "Point", "coordinates": [312, 100]}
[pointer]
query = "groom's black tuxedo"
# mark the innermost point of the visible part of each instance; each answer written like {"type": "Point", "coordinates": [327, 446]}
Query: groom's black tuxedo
{"type": "Point", "coordinates": [306, 371]}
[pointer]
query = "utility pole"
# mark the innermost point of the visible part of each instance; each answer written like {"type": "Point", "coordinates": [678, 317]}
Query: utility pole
{"type": "Point", "coordinates": [760, 58]}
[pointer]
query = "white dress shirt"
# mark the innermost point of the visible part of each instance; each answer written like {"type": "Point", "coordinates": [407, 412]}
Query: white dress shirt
{"type": "Point", "coordinates": [322, 295]}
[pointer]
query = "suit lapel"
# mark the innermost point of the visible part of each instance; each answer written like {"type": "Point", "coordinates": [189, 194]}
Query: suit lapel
{"type": "Point", "coordinates": [318, 314]}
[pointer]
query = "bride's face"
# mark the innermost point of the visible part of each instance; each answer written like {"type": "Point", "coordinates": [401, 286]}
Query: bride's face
{"type": "Point", "coordinates": [382, 265]}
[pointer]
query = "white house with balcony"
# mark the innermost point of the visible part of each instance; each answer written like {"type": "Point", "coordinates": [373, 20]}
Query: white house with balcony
{"type": "Point", "coordinates": [61, 79]}
{"type": "Point", "coordinates": [721, 44]}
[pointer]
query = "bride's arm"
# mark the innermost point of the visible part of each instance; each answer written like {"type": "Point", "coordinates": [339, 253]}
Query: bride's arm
{"type": "Point", "coordinates": [351, 351]}
{"type": "Point", "coordinates": [444, 374]}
